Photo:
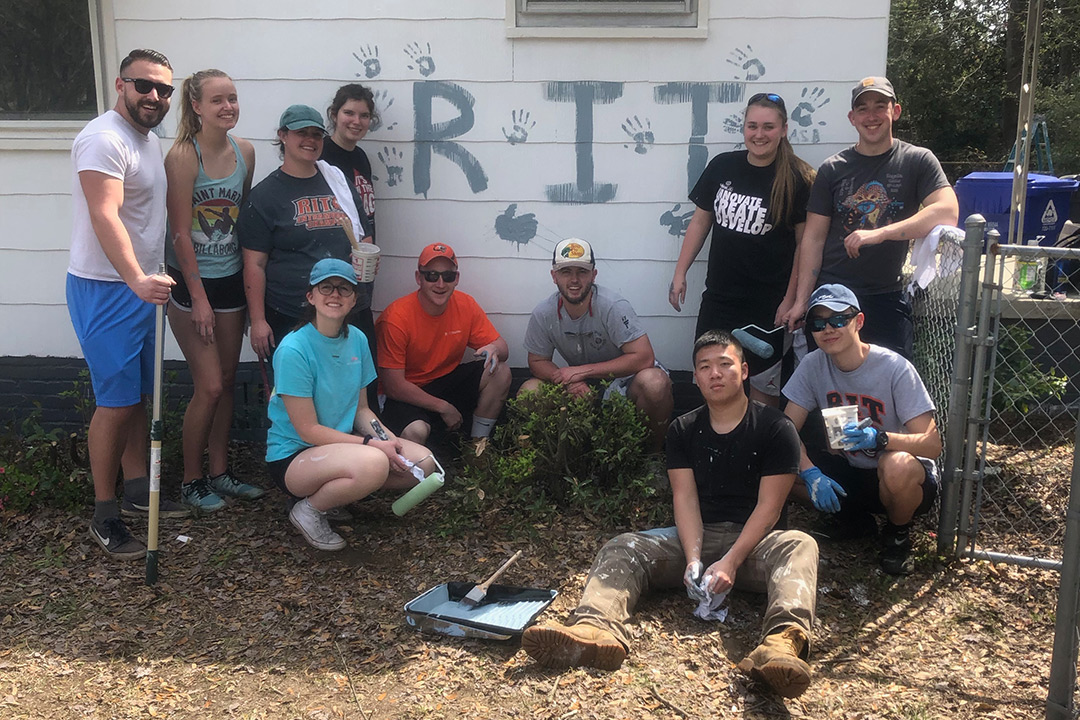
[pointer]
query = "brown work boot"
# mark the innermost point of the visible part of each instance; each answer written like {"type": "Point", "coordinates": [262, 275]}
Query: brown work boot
{"type": "Point", "coordinates": [776, 662]}
{"type": "Point", "coordinates": [565, 646]}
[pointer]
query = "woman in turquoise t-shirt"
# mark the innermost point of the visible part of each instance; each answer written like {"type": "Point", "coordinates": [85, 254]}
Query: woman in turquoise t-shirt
{"type": "Point", "coordinates": [209, 174]}
{"type": "Point", "coordinates": [324, 441]}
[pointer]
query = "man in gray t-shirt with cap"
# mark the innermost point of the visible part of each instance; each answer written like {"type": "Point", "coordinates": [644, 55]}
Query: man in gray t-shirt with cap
{"type": "Point", "coordinates": [885, 465]}
{"type": "Point", "coordinates": [598, 334]}
{"type": "Point", "coordinates": [867, 202]}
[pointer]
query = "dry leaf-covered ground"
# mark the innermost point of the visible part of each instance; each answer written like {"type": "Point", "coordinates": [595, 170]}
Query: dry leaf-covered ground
{"type": "Point", "coordinates": [248, 622]}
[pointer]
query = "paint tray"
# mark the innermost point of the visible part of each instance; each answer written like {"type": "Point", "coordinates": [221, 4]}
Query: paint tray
{"type": "Point", "coordinates": [503, 614]}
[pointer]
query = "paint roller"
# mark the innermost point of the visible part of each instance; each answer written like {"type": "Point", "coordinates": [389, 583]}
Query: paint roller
{"type": "Point", "coordinates": [424, 488]}
{"type": "Point", "coordinates": [756, 345]}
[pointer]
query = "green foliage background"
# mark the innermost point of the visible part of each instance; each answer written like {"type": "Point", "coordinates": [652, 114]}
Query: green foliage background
{"type": "Point", "coordinates": [956, 68]}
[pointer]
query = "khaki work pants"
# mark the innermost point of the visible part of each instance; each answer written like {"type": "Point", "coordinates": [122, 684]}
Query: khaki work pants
{"type": "Point", "coordinates": [783, 566]}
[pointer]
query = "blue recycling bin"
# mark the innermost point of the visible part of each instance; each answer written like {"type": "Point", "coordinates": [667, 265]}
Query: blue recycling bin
{"type": "Point", "coordinates": [989, 194]}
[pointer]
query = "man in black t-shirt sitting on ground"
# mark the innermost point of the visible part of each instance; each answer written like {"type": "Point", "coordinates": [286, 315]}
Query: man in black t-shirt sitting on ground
{"type": "Point", "coordinates": [731, 464]}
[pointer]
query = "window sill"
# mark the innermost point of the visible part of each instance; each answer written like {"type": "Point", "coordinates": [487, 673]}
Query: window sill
{"type": "Point", "coordinates": [667, 33]}
{"type": "Point", "coordinates": [39, 134]}
{"type": "Point", "coordinates": [621, 22]}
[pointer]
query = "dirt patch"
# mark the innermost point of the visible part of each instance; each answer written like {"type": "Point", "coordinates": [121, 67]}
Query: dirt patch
{"type": "Point", "coordinates": [248, 622]}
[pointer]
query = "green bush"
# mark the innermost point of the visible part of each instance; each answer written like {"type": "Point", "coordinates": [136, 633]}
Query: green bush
{"type": "Point", "coordinates": [559, 452]}
{"type": "Point", "coordinates": [1019, 382]}
{"type": "Point", "coordinates": [51, 468]}
{"type": "Point", "coordinates": [41, 468]}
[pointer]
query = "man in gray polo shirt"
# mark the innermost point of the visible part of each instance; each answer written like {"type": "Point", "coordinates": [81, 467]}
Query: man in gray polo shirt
{"type": "Point", "coordinates": [599, 336]}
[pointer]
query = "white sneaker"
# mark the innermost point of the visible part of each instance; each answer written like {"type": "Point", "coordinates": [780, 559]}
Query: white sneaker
{"type": "Point", "coordinates": [314, 527]}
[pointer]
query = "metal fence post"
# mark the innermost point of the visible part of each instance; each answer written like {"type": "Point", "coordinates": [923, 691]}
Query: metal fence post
{"type": "Point", "coordinates": [960, 384]}
{"type": "Point", "coordinates": [974, 410]}
{"type": "Point", "coordinates": [1059, 699]}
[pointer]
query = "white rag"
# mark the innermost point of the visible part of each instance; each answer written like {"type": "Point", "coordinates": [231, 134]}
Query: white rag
{"type": "Point", "coordinates": [339, 185]}
{"type": "Point", "coordinates": [709, 605]}
{"type": "Point", "coordinates": [924, 256]}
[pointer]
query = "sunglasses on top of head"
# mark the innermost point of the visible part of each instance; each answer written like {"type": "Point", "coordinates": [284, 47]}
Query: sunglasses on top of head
{"type": "Point", "coordinates": [144, 86]}
{"type": "Point", "coordinates": [817, 324]}
{"type": "Point", "coordinates": [434, 275]}
{"type": "Point", "coordinates": [771, 97]}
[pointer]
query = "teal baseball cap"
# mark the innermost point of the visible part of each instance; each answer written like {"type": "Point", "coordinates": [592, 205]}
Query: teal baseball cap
{"type": "Point", "coordinates": [332, 267]}
{"type": "Point", "coordinates": [298, 117]}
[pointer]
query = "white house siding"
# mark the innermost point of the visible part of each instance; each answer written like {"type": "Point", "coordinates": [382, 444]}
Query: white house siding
{"type": "Point", "coordinates": [811, 52]}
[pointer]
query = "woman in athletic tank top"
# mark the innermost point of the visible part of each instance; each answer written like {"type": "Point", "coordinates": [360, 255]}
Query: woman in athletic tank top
{"type": "Point", "coordinates": [209, 174]}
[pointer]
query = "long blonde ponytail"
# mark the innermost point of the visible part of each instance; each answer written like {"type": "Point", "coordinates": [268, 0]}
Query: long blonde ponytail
{"type": "Point", "coordinates": [191, 91]}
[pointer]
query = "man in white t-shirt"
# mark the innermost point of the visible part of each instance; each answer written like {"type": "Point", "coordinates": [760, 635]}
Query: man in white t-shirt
{"type": "Point", "coordinates": [598, 334]}
{"type": "Point", "coordinates": [117, 244]}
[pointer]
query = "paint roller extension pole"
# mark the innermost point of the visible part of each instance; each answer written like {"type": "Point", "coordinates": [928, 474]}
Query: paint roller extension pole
{"type": "Point", "coordinates": [155, 444]}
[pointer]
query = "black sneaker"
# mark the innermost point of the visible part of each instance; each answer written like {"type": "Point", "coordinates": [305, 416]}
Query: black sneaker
{"type": "Point", "coordinates": [136, 502]}
{"type": "Point", "coordinates": [166, 508]}
{"type": "Point", "coordinates": [116, 540]}
{"type": "Point", "coordinates": [896, 547]}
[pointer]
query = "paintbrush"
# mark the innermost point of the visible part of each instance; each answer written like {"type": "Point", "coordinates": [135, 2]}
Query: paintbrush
{"type": "Point", "coordinates": [479, 592]}
{"type": "Point", "coordinates": [346, 225]}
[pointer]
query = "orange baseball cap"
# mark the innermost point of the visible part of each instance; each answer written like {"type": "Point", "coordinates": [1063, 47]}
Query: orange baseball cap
{"type": "Point", "coordinates": [437, 250]}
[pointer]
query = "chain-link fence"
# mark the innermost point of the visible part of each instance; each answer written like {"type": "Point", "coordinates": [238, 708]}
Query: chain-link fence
{"type": "Point", "coordinates": [933, 277]}
{"type": "Point", "coordinates": [1022, 406]}
{"type": "Point", "coordinates": [1010, 460]}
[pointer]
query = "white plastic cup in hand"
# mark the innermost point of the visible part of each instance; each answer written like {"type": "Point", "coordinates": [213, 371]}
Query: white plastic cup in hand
{"type": "Point", "coordinates": [835, 420]}
{"type": "Point", "coordinates": [365, 259]}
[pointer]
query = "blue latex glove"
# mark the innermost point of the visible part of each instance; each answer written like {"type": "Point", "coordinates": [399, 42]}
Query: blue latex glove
{"type": "Point", "coordinates": [857, 438]}
{"type": "Point", "coordinates": [490, 360]}
{"type": "Point", "coordinates": [823, 490]}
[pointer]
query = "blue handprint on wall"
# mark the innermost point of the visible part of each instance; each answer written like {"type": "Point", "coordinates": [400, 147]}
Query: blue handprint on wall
{"type": "Point", "coordinates": [640, 133]}
{"type": "Point", "coordinates": [383, 102]}
{"type": "Point", "coordinates": [733, 124]}
{"type": "Point", "coordinates": [802, 116]}
{"type": "Point", "coordinates": [420, 57]}
{"type": "Point", "coordinates": [369, 58]}
{"type": "Point", "coordinates": [521, 123]}
{"type": "Point", "coordinates": [394, 162]}
{"type": "Point", "coordinates": [748, 66]}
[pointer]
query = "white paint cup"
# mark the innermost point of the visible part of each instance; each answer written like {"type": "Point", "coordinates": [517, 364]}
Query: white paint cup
{"type": "Point", "coordinates": [835, 420]}
{"type": "Point", "coordinates": [365, 260]}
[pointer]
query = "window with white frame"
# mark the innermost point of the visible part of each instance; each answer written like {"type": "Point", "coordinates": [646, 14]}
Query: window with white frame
{"type": "Point", "coordinates": [47, 61]}
{"type": "Point", "coordinates": [611, 18]}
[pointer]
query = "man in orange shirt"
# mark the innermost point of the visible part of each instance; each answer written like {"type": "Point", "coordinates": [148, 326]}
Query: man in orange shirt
{"type": "Point", "coordinates": [422, 339]}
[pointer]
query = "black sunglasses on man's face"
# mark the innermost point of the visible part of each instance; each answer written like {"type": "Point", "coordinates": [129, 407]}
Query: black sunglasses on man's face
{"type": "Point", "coordinates": [817, 324]}
{"type": "Point", "coordinates": [434, 275]}
{"type": "Point", "coordinates": [144, 86]}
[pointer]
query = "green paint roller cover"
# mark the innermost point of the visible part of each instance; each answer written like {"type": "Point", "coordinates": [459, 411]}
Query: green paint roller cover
{"type": "Point", "coordinates": [418, 494]}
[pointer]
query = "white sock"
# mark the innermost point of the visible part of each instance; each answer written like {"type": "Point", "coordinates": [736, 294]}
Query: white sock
{"type": "Point", "coordinates": [482, 426]}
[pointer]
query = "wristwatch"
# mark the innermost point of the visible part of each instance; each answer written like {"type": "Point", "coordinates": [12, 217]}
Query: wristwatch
{"type": "Point", "coordinates": [882, 441]}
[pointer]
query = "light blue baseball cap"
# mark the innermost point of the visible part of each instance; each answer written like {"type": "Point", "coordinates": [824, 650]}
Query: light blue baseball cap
{"type": "Point", "coordinates": [332, 267]}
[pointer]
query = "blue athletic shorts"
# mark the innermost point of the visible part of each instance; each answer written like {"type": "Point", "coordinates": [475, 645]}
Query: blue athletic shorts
{"type": "Point", "coordinates": [116, 331]}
